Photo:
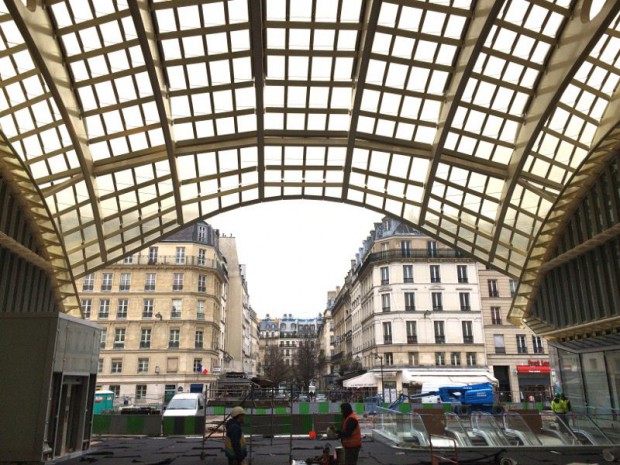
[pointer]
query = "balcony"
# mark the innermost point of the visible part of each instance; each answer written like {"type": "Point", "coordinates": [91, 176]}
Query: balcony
{"type": "Point", "coordinates": [149, 287]}
{"type": "Point", "coordinates": [177, 287]}
{"type": "Point", "coordinates": [465, 308]}
{"type": "Point", "coordinates": [410, 308]}
{"type": "Point", "coordinates": [463, 280]}
{"type": "Point", "coordinates": [468, 339]}
{"type": "Point", "coordinates": [106, 287]}
{"type": "Point", "coordinates": [202, 288]}
{"type": "Point", "coordinates": [539, 350]}
{"type": "Point", "coordinates": [386, 309]}
{"type": "Point", "coordinates": [173, 344]}
{"type": "Point", "coordinates": [412, 339]}
{"type": "Point", "coordinates": [408, 280]}
{"type": "Point", "coordinates": [387, 339]}
{"type": "Point", "coordinates": [440, 339]}
{"type": "Point", "coordinates": [119, 345]}
{"type": "Point", "coordinates": [198, 345]}
{"type": "Point", "coordinates": [200, 316]}
{"type": "Point", "coordinates": [145, 345]}
{"type": "Point", "coordinates": [494, 294]}
{"type": "Point", "coordinates": [124, 287]}
{"type": "Point", "coordinates": [385, 282]}
{"type": "Point", "coordinates": [435, 279]}
{"type": "Point", "coordinates": [522, 350]}
{"type": "Point", "coordinates": [437, 308]}
{"type": "Point", "coordinates": [175, 315]}
{"type": "Point", "coordinates": [405, 254]}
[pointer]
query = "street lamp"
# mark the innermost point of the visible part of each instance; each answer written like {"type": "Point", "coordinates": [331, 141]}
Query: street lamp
{"type": "Point", "coordinates": [380, 357]}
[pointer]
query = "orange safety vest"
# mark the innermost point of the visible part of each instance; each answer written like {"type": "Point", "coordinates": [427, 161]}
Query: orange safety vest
{"type": "Point", "coordinates": [355, 440]}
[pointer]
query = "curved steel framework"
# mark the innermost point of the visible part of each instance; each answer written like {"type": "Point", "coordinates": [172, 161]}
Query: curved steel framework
{"type": "Point", "coordinates": [479, 122]}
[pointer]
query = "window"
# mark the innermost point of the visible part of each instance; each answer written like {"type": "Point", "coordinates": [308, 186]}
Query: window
{"type": "Point", "coordinates": [198, 340]}
{"type": "Point", "coordinates": [493, 290]}
{"type": "Point", "coordinates": [200, 310]}
{"type": "Point", "coordinates": [106, 283]}
{"type": "Point", "coordinates": [385, 302]}
{"type": "Point", "coordinates": [521, 344]}
{"type": "Point", "coordinates": [202, 256]}
{"type": "Point", "coordinates": [177, 308]}
{"type": "Point", "coordinates": [385, 275]}
{"type": "Point", "coordinates": [455, 359]}
{"type": "Point", "coordinates": [435, 274]}
{"type": "Point", "coordinates": [412, 332]}
{"type": "Point", "coordinates": [153, 255]}
{"type": "Point", "coordinates": [175, 335]}
{"type": "Point", "coordinates": [464, 299]}
{"type": "Point", "coordinates": [180, 256]}
{"type": "Point", "coordinates": [87, 305]}
{"type": "Point", "coordinates": [414, 359]}
{"type": "Point", "coordinates": [461, 272]}
{"type": "Point", "coordinates": [198, 365]}
{"type": "Point", "coordinates": [468, 335]}
{"type": "Point", "coordinates": [201, 233]}
{"type": "Point", "coordinates": [125, 284]}
{"type": "Point", "coordinates": [143, 365]}
{"type": "Point", "coordinates": [140, 391]}
{"type": "Point", "coordinates": [117, 365]}
{"type": "Point", "coordinates": [202, 283]}
{"type": "Point", "coordinates": [407, 273]}
{"type": "Point", "coordinates": [177, 282]}
{"type": "Point", "coordinates": [149, 283]}
{"type": "Point", "coordinates": [119, 338]}
{"type": "Point", "coordinates": [537, 345]}
{"type": "Point", "coordinates": [100, 365]}
{"type": "Point", "coordinates": [405, 248]}
{"type": "Point", "coordinates": [104, 308]}
{"type": "Point", "coordinates": [498, 340]}
{"type": "Point", "coordinates": [431, 247]}
{"type": "Point", "coordinates": [496, 316]}
{"type": "Point", "coordinates": [389, 358]}
{"type": "Point", "coordinates": [128, 260]}
{"type": "Point", "coordinates": [145, 338]}
{"type": "Point", "coordinates": [121, 309]}
{"type": "Point", "coordinates": [513, 287]}
{"type": "Point", "coordinates": [102, 338]}
{"type": "Point", "coordinates": [471, 359]}
{"type": "Point", "coordinates": [89, 282]}
{"type": "Point", "coordinates": [440, 335]}
{"type": "Point", "coordinates": [437, 301]}
{"type": "Point", "coordinates": [147, 308]}
{"type": "Point", "coordinates": [387, 333]}
{"type": "Point", "coordinates": [409, 301]}
{"type": "Point", "coordinates": [116, 389]}
{"type": "Point", "coordinates": [440, 358]}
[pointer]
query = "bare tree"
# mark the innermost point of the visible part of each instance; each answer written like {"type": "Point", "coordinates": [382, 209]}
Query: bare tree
{"type": "Point", "coordinates": [275, 367]}
{"type": "Point", "coordinates": [306, 364]}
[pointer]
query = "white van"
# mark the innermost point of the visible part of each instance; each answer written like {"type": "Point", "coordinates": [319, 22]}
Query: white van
{"type": "Point", "coordinates": [186, 405]}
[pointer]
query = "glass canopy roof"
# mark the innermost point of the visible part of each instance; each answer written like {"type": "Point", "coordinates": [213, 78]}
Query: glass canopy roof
{"type": "Point", "coordinates": [479, 122]}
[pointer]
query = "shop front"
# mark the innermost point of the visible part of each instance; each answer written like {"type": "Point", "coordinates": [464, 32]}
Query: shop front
{"type": "Point", "coordinates": [534, 381]}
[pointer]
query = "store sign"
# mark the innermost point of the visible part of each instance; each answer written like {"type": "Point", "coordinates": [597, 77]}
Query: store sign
{"type": "Point", "coordinates": [217, 369]}
{"type": "Point", "coordinates": [533, 369]}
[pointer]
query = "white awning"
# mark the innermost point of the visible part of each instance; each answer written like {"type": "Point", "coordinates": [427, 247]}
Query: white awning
{"type": "Point", "coordinates": [365, 380]}
{"type": "Point", "coordinates": [431, 380]}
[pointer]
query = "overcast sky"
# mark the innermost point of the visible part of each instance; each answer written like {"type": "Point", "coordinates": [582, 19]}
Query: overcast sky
{"type": "Point", "coordinates": [295, 251]}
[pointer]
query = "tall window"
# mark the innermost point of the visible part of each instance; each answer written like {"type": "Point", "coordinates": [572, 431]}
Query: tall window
{"type": "Point", "coordinates": [116, 389]}
{"type": "Point", "coordinates": [117, 365]}
{"type": "Point", "coordinates": [537, 345]}
{"type": "Point", "coordinates": [100, 366]}
{"type": "Point", "coordinates": [125, 284]}
{"type": "Point", "coordinates": [521, 344]}
{"type": "Point", "coordinates": [198, 365]}
{"type": "Point", "coordinates": [121, 310]}
{"type": "Point", "coordinates": [89, 282]}
{"type": "Point", "coordinates": [513, 287]}
{"type": "Point", "coordinates": [104, 308]}
{"type": "Point", "coordinates": [153, 255]}
{"type": "Point", "coordinates": [102, 338]}
{"type": "Point", "coordinates": [464, 299]}
{"type": "Point", "coordinates": [198, 340]}
{"type": "Point", "coordinates": [143, 365]}
{"type": "Point", "coordinates": [177, 282]}
{"type": "Point", "coordinates": [389, 358]}
{"type": "Point", "coordinates": [145, 338]}
{"type": "Point", "coordinates": [498, 340]}
{"type": "Point", "coordinates": [200, 310]}
{"type": "Point", "coordinates": [407, 273]}
{"type": "Point", "coordinates": [387, 333]}
{"type": "Point", "coordinates": [87, 305]}
{"type": "Point", "coordinates": [440, 335]}
{"type": "Point", "coordinates": [106, 282]}
{"type": "Point", "coordinates": [409, 301]}
{"type": "Point", "coordinates": [437, 301]}
{"type": "Point", "coordinates": [385, 275]}
{"type": "Point", "coordinates": [147, 308]}
{"type": "Point", "coordinates": [405, 248]}
{"type": "Point", "coordinates": [202, 256]}
{"type": "Point", "coordinates": [496, 316]}
{"type": "Point", "coordinates": [149, 283]}
{"type": "Point", "coordinates": [493, 290]}
{"type": "Point", "coordinates": [202, 283]}
{"type": "Point", "coordinates": [385, 302]}
{"type": "Point", "coordinates": [201, 233]}
{"type": "Point", "coordinates": [440, 358]}
{"type": "Point", "coordinates": [471, 359]}
{"type": "Point", "coordinates": [412, 332]}
{"type": "Point", "coordinates": [431, 247]}
{"type": "Point", "coordinates": [175, 335]}
{"type": "Point", "coordinates": [468, 335]}
{"type": "Point", "coordinates": [177, 308]}
{"type": "Point", "coordinates": [119, 338]}
{"type": "Point", "coordinates": [414, 359]}
{"type": "Point", "coordinates": [461, 272]}
{"type": "Point", "coordinates": [435, 274]}
{"type": "Point", "coordinates": [455, 359]}
{"type": "Point", "coordinates": [180, 256]}
{"type": "Point", "coordinates": [140, 391]}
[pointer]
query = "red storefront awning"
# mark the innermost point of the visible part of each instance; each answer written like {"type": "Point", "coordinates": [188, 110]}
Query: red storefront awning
{"type": "Point", "coordinates": [533, 369]}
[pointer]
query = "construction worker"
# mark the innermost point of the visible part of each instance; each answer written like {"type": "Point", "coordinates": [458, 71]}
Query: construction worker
{"type": "Point", "coordinates": [234, 443]}
{"type": "Point", "coordinates": [566, 403]}
{"type": "Point", "coordinates": [350, 434]}
{"type": "Point", "coordinates": [558, 407]}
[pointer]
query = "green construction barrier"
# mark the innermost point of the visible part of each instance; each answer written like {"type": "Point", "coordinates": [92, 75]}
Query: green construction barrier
{"type": "Point", "coordinates": [183, 426]}
{"type": "Point", "coordinates": [323, 407]}
{"type": "Point", "coordinates": [101, 424]}
{"type": "Point", "coordinates": [304, 408]}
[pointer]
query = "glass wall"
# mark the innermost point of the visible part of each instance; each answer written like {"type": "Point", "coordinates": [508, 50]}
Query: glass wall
{"type": "Point", "coordinates": [595, 379]}
{"type": "Point", "coordinates": [572, 381]}
{"type": "Point", "coordinates": [613, 370]}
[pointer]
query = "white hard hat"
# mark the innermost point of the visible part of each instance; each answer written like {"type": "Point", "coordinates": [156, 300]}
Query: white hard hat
{"type": "Point", "coordinates": [236, 411]}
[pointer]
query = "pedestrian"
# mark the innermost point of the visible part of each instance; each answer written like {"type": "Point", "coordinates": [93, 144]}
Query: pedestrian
{"type": "Point", "coordinates": [350, 434]}
{"type": "Point", "coordinates": [234, 443]}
